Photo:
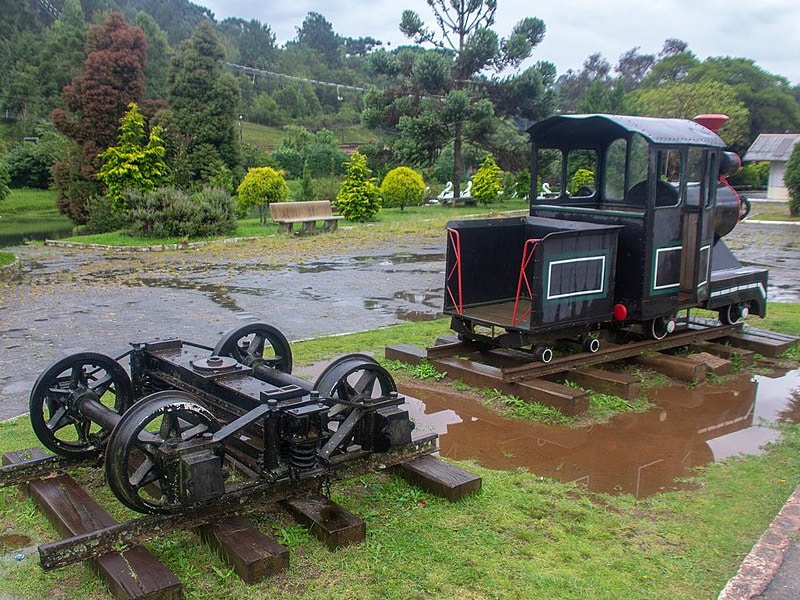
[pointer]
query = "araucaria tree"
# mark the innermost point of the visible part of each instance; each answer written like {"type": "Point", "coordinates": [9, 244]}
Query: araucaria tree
{"type": "Point", "coordinates": [204, 104]}
{"type": "Point", "coordinates": [464, 31]}
{"type": "Point", "coordinates": [95, 101]}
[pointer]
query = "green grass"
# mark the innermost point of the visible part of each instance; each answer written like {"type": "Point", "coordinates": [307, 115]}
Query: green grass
{"type": "Point", "coordinates": [6, 258]}
{"type": "Point", "coordinates": [268, 137]}
{"type": "Point", "coordinates": [771, 211]}
{"type": "Point", "coordinates": [31, 214]}
{"type": "Point", "coordinates": [522, 536]}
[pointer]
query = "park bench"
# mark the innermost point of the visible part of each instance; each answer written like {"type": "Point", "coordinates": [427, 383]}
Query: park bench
{"type": "Point", "coordinates": [286, 214]}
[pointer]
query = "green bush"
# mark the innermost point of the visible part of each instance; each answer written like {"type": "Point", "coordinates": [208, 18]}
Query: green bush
{"type": "Point", "coordinates": [289, 160]}
{"type": "Point", "coordinates": [325, 160]}
{"type": "Point", "coordinates": [403, 187]}
{"type": "Point", "coordinates": [29, 166]}
{"type": "Point", "coordinates": [170, 212]}
{"type": "Point", "coordinates": [582, 178]}
{"type": "Point", "coordinates": [261, 186]}
{"type": "Point", "coordinates": [359, 198]}
{"type": "Point", "coordinates": [487, 182]}
{"type": "Point", "coordinates": [792, 180]}
{"type": "Point", "coordinates": [753, 175]}
{"type": "Point", "coordinates": [4, 179]}
{"type": "Point", "coordinates": [104, 215]}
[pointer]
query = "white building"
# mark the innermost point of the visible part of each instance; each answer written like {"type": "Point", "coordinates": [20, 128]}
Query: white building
{"type": "Point", "coordinates": [776, 149]}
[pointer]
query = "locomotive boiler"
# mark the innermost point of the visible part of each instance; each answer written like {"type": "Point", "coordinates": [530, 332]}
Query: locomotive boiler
{"type": "Point", "coordinates": [633, 236]}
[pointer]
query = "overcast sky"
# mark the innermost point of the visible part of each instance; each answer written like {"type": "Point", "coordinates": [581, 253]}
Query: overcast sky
{"type": "Point", "coordinates": [767, 31]}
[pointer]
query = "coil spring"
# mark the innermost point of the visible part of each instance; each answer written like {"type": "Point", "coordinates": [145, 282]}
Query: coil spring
{"type": "Point", "coordinates": [302, 456]}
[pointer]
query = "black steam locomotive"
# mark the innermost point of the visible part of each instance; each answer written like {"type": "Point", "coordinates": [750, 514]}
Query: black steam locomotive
{"type": "Point", "coordinates": [632, 237]}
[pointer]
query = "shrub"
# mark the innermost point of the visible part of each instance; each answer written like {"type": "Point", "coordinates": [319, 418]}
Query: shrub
{"type": "Point", "coordinates": [261, 186]}
{"type": "Point", "coordinates": [487, 182]}
{"type": "Point", "coordinates": [29, 166]}
{"type": "Point", "coordinates": [4, 179]}
{"type": "Point", "coordinates": [289, 160]}
{"type": "Point", "coordinates": [403, 187]}
{"type": "Point", "coordinates": [792, 180]}
{"type": "Point", "coordinates": [754, 175]}
{"type": "Point", "coordinates": [170, 212]}
{"type": "Point", "coordinates": [359, 198]}
{"type": "Point", "coordinates": [104, 214]}
{"type": "Point", "coordinates": [582, 178]}
{"type": "Point", "coordinates": [325, 160]}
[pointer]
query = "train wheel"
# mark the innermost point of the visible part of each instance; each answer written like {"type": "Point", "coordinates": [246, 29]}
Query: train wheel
{"type": "Point", "coordinates": [733, 313]}
{"type": "Point", "coordinates": [543, 353]}
{"type": "Point", "coordinates": [58, 393]}
{"type": "Point", "coordinates": [355, 378]}
{"type": "Point", "coordinates": [134, 462]}
{"type": "Point", "coordinates": [257, 344]}
{"type": "Point", "coordinates": [658, 329]}
{"type": "Point", "coordinates": [590, 344]}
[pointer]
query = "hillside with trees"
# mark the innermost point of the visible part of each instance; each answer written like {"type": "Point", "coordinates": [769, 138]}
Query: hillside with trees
{"type": "Point", "coordinates": [459, 93]}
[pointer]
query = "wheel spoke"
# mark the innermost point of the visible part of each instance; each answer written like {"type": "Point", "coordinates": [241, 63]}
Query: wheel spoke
{"type": "Point", "coordinates": [365, 383]}
{"type": "Point", "coordinates": [193, 432]}
{"type": "Point", "coordinates": [145, 474]}
{"type": "Point", "coordinates": [59, 419]}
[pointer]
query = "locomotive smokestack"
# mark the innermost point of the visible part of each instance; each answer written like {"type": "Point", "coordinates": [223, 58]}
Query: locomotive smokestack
{"type": "Point", "coordinates": [714, 122]}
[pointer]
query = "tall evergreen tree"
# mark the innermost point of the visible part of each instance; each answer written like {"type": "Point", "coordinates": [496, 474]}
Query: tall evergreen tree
{"type": "Point", "coordinates": [204, 105]}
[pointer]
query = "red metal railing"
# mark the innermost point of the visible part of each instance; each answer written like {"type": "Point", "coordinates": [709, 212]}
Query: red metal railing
{"type": "Point", "coordinates": [527, 254]}
{"type": "Point", "coordinates": [456, 297]}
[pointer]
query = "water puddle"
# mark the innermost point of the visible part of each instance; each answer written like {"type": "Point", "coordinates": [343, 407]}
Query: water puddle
{"type": "Point", "coordinates": [639, 454]}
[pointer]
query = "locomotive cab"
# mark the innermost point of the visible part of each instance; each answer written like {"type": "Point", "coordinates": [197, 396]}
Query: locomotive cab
{"type": "Point", "coordinates": [662, 181]}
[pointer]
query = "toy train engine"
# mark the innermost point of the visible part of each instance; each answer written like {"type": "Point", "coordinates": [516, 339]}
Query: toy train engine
{"type": "Point", "coordinates": [626, 232]}
{"type": "Point", "coordinates": [192, 424]}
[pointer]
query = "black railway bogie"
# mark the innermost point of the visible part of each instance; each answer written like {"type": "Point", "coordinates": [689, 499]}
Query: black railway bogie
{"type": "Point", "coordinates": [203, 415]}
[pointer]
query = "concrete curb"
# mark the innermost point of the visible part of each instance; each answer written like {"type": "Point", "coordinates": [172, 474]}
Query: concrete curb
{"type": "Point", "coordinates": [761, 565]}
{"type": "Point", "coordinates": [9, 271]}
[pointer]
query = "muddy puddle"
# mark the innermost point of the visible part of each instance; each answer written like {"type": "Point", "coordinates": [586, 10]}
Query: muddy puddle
{"type": "Point", "coordinates": [639, 454]}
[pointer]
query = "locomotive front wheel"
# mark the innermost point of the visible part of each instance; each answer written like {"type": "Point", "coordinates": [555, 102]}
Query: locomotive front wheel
{"type": "Point", "coordinates": [733, 313]}
{"type": "Point", "coordinates": [58, 393]}
{"type": "Point", "coordinates": [590, 344]}
{"type": "Point", "coordinates": [543, 353]}
{"type": "Point", "coordinates": [658, 329]}
{"type": "Point", "coordinates": [134, 462]}
{"type": "Point", "coordinates": [355, 378]}
{"type": "Point", "coordinates": [257, 344]}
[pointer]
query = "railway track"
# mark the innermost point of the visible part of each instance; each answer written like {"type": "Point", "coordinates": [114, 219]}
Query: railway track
{"type": "Point", "coordinates": [516, 372]}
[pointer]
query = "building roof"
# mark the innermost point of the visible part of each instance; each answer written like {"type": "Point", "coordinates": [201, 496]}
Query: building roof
{"type": "Point", "coordinates": [772, 147]}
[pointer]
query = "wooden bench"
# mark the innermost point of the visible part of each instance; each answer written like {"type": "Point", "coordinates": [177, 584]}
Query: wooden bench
{"type": "Point", "coordinates": [286, 214]}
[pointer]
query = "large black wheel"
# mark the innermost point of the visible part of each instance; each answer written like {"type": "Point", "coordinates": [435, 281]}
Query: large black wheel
{"type": "Point", "coordinates": [355, 378]}
{"type": "Point", "coordinates": [60, 390]}
{"type": "Point", "coordinates": [257, 344]}
{"type": "Point", "coordinates": [134, 463]}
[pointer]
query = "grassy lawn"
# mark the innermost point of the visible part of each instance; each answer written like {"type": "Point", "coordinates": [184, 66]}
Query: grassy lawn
{"type": "Point", "coordinates": [522, 537]}
{"type": "Point", "coordinates": [30, 214]}
{"type": "Point", "coordinates": [771, 211]}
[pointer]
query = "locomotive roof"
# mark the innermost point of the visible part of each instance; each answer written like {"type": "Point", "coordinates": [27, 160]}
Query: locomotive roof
{"type": "Point", "coordinates": [576, 130]}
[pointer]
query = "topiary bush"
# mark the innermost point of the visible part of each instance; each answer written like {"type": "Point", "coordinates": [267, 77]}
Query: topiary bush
{"type": "Point", "coordinates": [260, 187]}
{"type": "Point", "coordinates": [583, 178]}
{"type": "Point", "coordinates": [359, 198]}
{"type": "Point", "coordinates": [402, 187]}
{"type": "Point", "coordinates": [792, 180]}
{"type": "Point", "coordinates": [170, 212]}
{"type": "Point", "coordinates": [487, 182]}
